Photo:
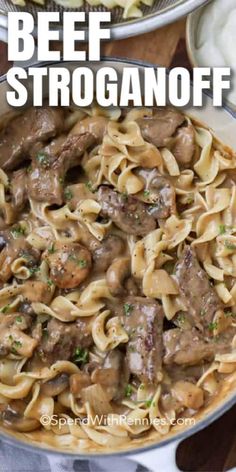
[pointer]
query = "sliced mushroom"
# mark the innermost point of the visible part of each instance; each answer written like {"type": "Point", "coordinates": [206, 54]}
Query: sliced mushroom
{"type": "Point", "coordinates": [131, 286]}
{"type": "Point", "coordinates": [36, 291]}
{"type": "Point", "coordinates": [78, 382]}
{"type": "Point", "coordinates": [12, 416]}
{"type": "Point", "coordinates": [116, 275]}
{"type": "Point", "coordinates": [110, 248]}
{"type": "Point", "coordinates": [188, 394]}
{"type": "Point", "coordinates": [17, 342]}
{"type": "Point", "coordinates": [26, 308]}
{"type": "Point", "coordinates": [18, 320]}
{"type": "Point", "coordinates": [55, 386]}
{"type": "Point", "coordinates": [15, 248]}
{"type": "Point", "coordinates": [184, 145]}
{"type": "Point", "coordinates": [97, 398]}
{"type": "Point", "coordinates": [69, 264]}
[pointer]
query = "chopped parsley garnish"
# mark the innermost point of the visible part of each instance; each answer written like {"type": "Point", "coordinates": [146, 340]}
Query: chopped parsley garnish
{"type": "Point", "coordinates": [146, 193]}
{"type": "Point", "coordinates": [19, 319]}
{"type": "Point", "coordinates": [45, 333]}
{"type": "Point", "coordinates": [18, 231]}
{"type": "Point", "coordinates": [89, 186]}
{"type": "Point", "coordinates": [128, 390]}
{"type": "Point", "coordinates": [26, 255]}
{"type": "Point", "coordinates": [181, 318]}
{"type": "Point", "coordinates": [128, 308]}
{"type": "Point", "coordinates": [229, 314]}
{"type": "Point", "coordinates": [148, 403]}
{"type": "Point", "coordinates": [230, 246]}
{"type": "Point", "coordinates": [81, 356]}
{"type": "Point", "coordinates": [42, 159]}
{"type": "Point", "coordinates": [82, 263]}
{"type": "Point", "coordinates": [141, 387]}
{"type": "Point", "coordinates": [124, 196]}
{"type": "Point", "coordinates": [33, 270]}
{"type": "Point", "coordinates": [222, 229]}
{"type": "Point", "coordinates": [203, 312]}
{"type": "Point", "coordinates": [61, 180]}
{"type": "Point", "coordinates": [169, 267]}
{"type": "Point", "coordinates": [190, 199]}
{"type": "Point", "coordinates": [52, 249]}
{"type": "Point", "coordinates": [131, 348]}
{"type": "Point", "coordinates": [5, 309]}
{"type": "Point", "coordinates": [15, 344]}
{"type": "Point", "coordinates": [212, 326]}
{"type": "Point", "coordinates": [50, 283]}
{"type": "Point", "coordinates": [68, 194]}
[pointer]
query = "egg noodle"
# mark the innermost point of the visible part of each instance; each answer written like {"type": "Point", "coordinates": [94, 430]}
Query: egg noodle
{"type": "Point", "coordinates": [83, 338]}
{"type": "Point", "coordinates": [131, 7]}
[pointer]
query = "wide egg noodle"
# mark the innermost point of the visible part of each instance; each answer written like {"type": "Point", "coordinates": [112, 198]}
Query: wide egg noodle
{"type": "Point", "coordinates": [204, 218]}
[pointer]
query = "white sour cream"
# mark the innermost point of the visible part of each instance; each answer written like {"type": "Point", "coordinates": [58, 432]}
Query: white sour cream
{"type": "Point", "coordinates": [216, 39]}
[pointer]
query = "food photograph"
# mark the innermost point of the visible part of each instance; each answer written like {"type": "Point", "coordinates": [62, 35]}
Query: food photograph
{"type": "Point", "coordinates": [117, 236]}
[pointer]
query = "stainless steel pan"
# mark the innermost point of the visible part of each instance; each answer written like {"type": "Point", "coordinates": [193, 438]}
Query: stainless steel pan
{"type": "Point", "coordinates": [159, 14]}
{"type": "Point", "coordinates": [158, 454]}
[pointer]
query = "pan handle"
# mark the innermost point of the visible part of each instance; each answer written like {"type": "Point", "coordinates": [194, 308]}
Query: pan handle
{"type": "Point", "coordinates": [162, 459]}
{"type": "Point", "coordinates": [3, 34]}
{"type": "Point", "coordinates": [3, 28]}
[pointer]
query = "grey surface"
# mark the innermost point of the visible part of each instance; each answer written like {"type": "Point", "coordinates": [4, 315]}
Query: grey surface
{"type": "Point", "coordinates": [14, 459]}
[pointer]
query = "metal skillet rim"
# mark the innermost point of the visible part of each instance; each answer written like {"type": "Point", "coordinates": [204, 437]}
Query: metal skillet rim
{"type": "Point", "coordinates": [216, 414]}
{"type": "Point", "coordinates": [147, 23]}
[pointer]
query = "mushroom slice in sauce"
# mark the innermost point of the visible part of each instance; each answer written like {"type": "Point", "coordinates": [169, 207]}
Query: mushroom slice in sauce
{"type": "Point", "coordinates": [69, 264]}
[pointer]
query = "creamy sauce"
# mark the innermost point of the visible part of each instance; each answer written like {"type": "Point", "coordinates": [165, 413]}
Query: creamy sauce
{"type": "Point", "coordinates": [216, 39]}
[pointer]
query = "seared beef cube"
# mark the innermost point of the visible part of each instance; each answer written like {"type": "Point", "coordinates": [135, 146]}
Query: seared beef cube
{"type": "Point", "coordinates": [34, 126]}
{"type": "Point", "coordinates": [143, 321]}
{"type": "Point", "coordinates": [161, 126]}
{"type": "Point", "coordinates": [196, 290]}
{"type": "Point", "coordinates": [128, 213]}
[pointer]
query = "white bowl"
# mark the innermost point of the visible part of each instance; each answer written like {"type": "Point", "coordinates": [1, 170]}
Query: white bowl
{"type": "Point", "coordinates": [192, 32]}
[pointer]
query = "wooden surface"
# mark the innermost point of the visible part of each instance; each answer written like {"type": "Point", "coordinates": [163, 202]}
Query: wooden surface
{"type": "Point", "coordinates": [213, 449]}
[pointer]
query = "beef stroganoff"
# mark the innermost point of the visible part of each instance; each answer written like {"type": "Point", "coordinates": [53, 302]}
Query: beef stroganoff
{"type": "Point", "coordinates": [117, 270]}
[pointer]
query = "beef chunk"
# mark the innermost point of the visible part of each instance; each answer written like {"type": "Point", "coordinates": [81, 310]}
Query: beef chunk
{"type": "Point", "coordinates": [184, 145]}
{"type": "Point", "coordinates": [110, 248]}
{"type": "Point", "coordinates": [96, 125]}
{"type": "Point", "coordinates": [50, 165]}
{"type": "Point", "coordinates": [190, 347]}
{"type": "Point", "coordinates": [195, 288]}
{"type": "Point", "coordinates": [186, 347]}
{"type": "Point", "coordinates": [162, 193]}
{"type": "Point", "coordinates": [158, 128]}
{"type": "Point", "coordinates": [113, 375]}
{"type": "Point", "coordinates": [143, 321]}
{"type": "Point", "coordinates": [24, 131]}
{"type": "Point", "coordinates": [128, 213]}
{"type": "Point", "coordinates": [62, 339]}
{"type": "Point", "coordinates": [19, 188]}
